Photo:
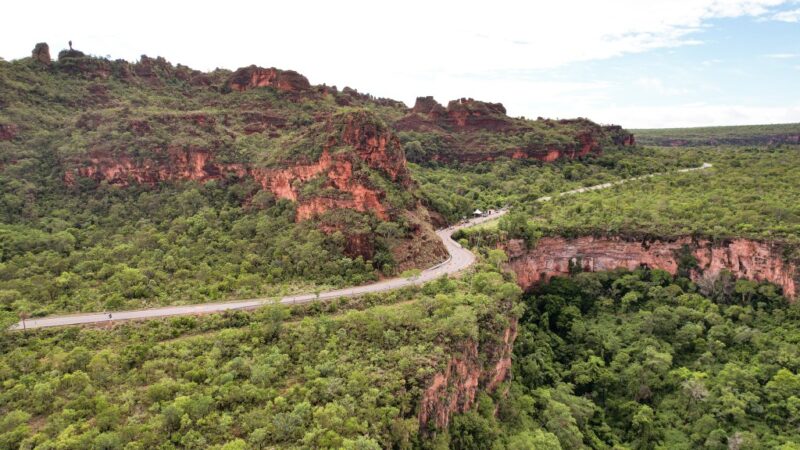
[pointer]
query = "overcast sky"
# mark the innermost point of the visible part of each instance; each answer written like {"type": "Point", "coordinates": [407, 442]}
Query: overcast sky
{"type": "Point", "coordinates": [637, 63]}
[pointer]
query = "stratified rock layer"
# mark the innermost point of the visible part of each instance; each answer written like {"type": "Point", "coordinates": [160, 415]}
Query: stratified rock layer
{"type": "Point", "coordinates": [367, 141]}
{"type": "Point", "coordinates": [472, 369]}
{"type": "Point", "coordinates": [254, 77]}
{"type": "Point", "coordinates": [472, 131]}
{"type": "Point", "coordinates": [553, 256]}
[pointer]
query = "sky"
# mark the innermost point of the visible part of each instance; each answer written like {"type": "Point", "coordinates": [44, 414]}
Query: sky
{"type": "Point", "coordinates": [637, 63]}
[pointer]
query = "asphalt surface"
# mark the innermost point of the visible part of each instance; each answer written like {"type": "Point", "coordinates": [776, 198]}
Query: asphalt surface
{"type": "Point", "coordinates": [460, 259]}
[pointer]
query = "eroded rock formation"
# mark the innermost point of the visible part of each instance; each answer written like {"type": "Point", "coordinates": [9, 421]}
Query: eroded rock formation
{"type": "Point", "coordinates": [472, 131]}
{"type": "Point", "coordinates": [619, 135]}
{"type": "Point", "coordinates": [464, 113]}
{"type": "Point", "coordinates": [368, 143]}
{"type": "Point", "coordinates": [470, 370]}
{"type": "Point", "coordinates": [553, 256]}
{"type": "Point", "coordinates": [41, 53]}
{"type": "Point", "coordinates": [254, 76]}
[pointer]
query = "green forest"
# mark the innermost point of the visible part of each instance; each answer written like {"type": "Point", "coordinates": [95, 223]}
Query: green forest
{"type": "Point", "coordinates": [340, 374]}
{"type": "Point", "coordinates": [774, 134]}
{"type": "Point", "coordinates": [644, 360]}
{"type": "Point", "coordinates": [123, 248]}
{"type": "Point", "coordinates": [749, 192]}
{"type": "Point", "coordinates": [138, 185]}
{"type": "Point", "coordinates": [456, 190]}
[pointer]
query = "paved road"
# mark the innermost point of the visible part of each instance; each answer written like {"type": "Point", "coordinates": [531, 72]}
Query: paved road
{"type": "Point", "coordinates": [460, 258]}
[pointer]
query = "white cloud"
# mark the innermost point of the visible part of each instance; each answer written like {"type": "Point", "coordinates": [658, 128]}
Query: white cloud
{"type": "Point", "coordinates": [332, 36]}
{"type": "Point", "coordinates": [399, 50]}
{"type": "Point", "coordinates": [792, 16]}
{"type": "Point", "coordinates": [781, 55]}
{"type": "Point", "coordinates": [697, 114]}
{"type": "Point", "coordinates": [657, 85]}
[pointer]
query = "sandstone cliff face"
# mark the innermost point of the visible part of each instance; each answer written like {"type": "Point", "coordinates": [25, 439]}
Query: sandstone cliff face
{"type": "Point", "coordinates": [470, 113]}
{"type": "Point", "coordinates": [368, 143]}
{"type": "Point", "coordinates": [41, 53]}
{"type": "Point", "coordinates": [744, 258]}
{"type": "Point", "coordinates": [429, 106]}
{"type": "Point", "coordinates": [463, 127]}
{"type": "Point", "coordinates": [253, 77]}
{"type": "Point", "coordinates": [375, 145]}
{"type": "Point", "coordinates": [464, 113]}
{"type": "Point", "coordinates": [198, 165]}
{"type": "Point", "coordinates": [586, 144]}
{"type": "Point", "coordinates": [470, 370]}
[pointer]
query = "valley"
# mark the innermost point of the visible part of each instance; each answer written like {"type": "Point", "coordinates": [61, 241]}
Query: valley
{"type": "Point", "coordinates": [256, 261]}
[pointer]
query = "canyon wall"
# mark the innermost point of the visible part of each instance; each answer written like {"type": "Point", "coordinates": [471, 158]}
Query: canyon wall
{"type": "Point", "coordinates": [552, 256]}
{"type": "Point", "coordinates": [587, 143]}
{"type": "Point", "coordinates": [461, 131]}
{"type": "Point", "coordinates": [372, 145]}
{"type": "Point", "coordinates": [471, 369]}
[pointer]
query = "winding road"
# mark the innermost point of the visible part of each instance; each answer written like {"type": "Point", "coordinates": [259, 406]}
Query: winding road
{"type": "Point", "coordinates": [459, 259]}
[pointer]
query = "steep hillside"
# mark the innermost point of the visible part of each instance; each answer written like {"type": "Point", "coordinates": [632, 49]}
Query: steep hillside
{"type": "Point", "coordinates": [131, 185]}
{"type": "Point", "coordinates": [472, 131]}
{"type": "Point", "coordinates": [269, 182]}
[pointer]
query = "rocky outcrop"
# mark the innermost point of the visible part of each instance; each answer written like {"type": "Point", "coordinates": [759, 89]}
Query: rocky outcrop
{"type": "Point", "coordinates": [374, 144]}
{"type": "Point", "coordinates": [586, 144]}
{"type": "Point", "coordinates": [354, 139]}
{"type": "Point", "coordinates": [254, 76]}
{"type": "Point", "coordinates": [471, 131]}
{"type": "Point", "coordinates": [461, 114]}
{"type": "Point", "coordinates": [8, 131]}
{"type": "Point", "coordinates": [471, 369]}
{"type": "Point", "coordinates": [41, 53]}
{"type": "Point", "coordinates": [619, 136]}
{"type": "Point", "coordinates": [470, 113]}
{"type": "Point", "coordinates": [554, 256]}
{"type": "Point", "coordinates": [429, 107]}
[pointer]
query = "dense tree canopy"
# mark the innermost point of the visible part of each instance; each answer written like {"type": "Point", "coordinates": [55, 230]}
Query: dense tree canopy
{"type": "Point", "coordinates": [642, 360]}
{"type": "Point", "coordinates": [343, 374]}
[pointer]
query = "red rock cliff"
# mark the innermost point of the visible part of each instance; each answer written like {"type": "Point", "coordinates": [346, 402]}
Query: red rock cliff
{"type": "Point", "coordinates": [253, 76]}
{"type": "Point", "coordinates": [462, 131]}
{"type": "Point", "coordinates": [464, 113]}
{"type": "Point", "coordinates": [368, 142]}
{"type": "Point", "coordinates": [744, 258]}
{"type": "Point", "coordinates": [470, 370]}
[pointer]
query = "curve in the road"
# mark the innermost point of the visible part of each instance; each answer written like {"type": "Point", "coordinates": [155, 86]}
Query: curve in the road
{"type": "Point", "coordinates": [459, 259]}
